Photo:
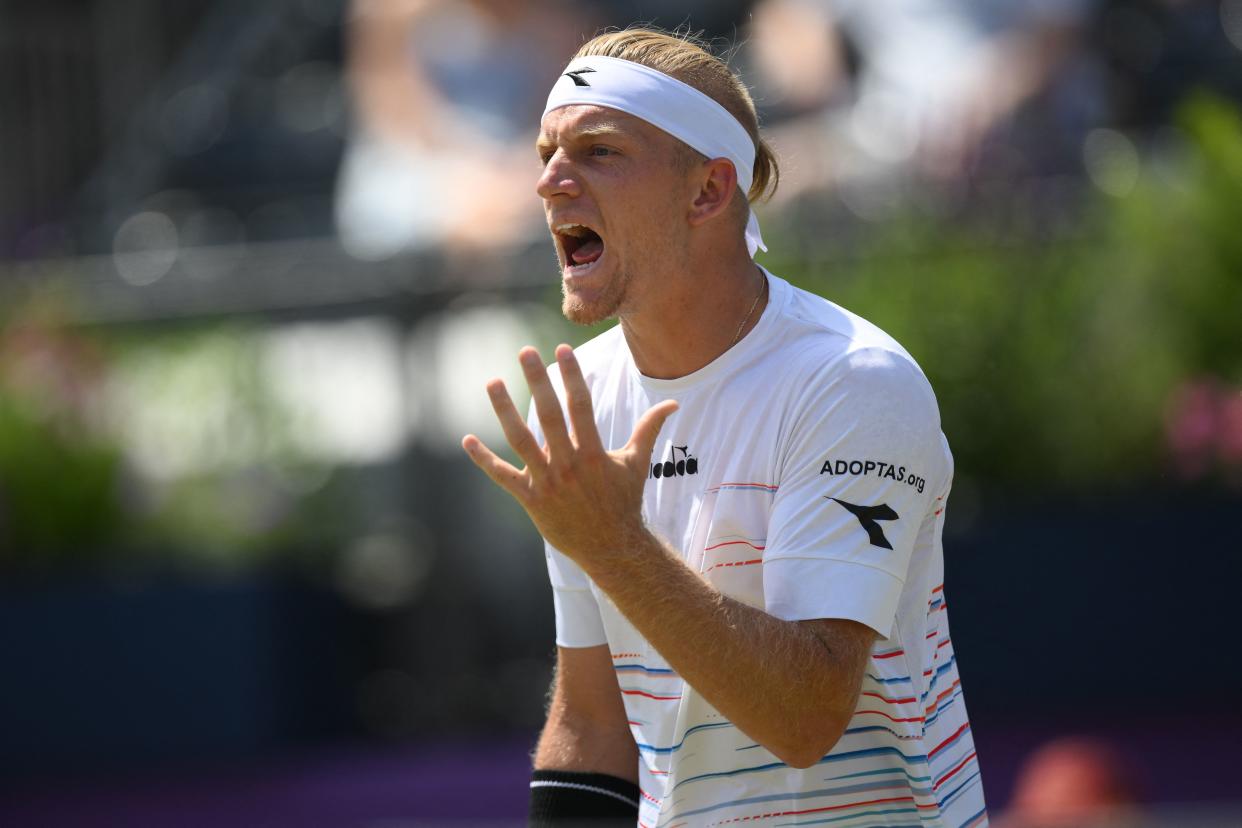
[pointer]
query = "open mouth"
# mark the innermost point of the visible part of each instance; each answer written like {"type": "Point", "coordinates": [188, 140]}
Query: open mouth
{"type": "Point", "coordinates": [582, 247]}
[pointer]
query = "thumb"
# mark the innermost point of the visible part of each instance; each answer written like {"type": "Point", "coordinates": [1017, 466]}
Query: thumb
{"type": "Point", "coordinates": [642, 441]}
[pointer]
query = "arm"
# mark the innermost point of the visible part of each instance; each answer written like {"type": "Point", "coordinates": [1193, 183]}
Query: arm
{"type": "Point", "coordinates": [587, 728]}
{"type": "Point", "coordinates": [791, 686]}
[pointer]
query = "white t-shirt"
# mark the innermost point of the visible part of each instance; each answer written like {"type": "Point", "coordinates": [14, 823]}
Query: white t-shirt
{"type": "Point", "coordinates": [804, 474]}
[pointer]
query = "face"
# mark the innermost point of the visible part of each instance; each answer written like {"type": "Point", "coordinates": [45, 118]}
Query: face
{"type": "Point", "coordinates": [611, 188]}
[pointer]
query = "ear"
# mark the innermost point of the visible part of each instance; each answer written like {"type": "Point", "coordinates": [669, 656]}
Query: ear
{"type": "Point", "coordinates": [717, 189]}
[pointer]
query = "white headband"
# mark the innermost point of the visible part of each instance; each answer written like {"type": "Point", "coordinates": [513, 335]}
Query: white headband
{"type": "Point", "coordinates": [665, 102]}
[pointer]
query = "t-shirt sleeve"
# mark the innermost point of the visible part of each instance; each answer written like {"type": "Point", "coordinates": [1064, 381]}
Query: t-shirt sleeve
{"type": "Point", "coordinates": [578, 622]}
{"type": "Point", "coordinates": [863, 465]}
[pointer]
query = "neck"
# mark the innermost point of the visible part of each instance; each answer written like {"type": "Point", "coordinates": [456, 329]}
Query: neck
{"type": "Point", "coordinates": [693, 314]}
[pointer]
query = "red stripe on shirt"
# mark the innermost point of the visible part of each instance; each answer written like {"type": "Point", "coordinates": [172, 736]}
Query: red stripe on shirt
{"type": "Point", "coordinates": [733, 542]}
{"type": "Point", "coordinates": [826, 808]}
{"type": "Point", "coordinates": [733, 563]}
{"type": "Point", "coordinates": [936, 701]}
{"type": "Point", "coordinates": [650, 696]}
{"type": "Point", "coordinates": [890, 701]}
{"type": "Point", "coordinates": [885, 715]}
{"type": "Point", "coordinates": [960, 765]}
{"type": "Point", "coordinates": [942, 745]}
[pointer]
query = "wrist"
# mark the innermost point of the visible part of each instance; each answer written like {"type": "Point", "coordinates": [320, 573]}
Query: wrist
{"type": "Point", "coordinates": [628, 552]}
{"type": "Point", "coordinates": [575, 798]}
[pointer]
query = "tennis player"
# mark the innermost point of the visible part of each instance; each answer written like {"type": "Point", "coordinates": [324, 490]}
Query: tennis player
{"type": "Point", "coordinates": [742, 488]}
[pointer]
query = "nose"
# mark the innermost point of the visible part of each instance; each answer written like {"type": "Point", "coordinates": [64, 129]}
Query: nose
{"type": "Point", "coordinates": [559, 178]}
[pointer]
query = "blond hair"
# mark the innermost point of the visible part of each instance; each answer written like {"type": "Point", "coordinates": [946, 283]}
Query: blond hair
{"type": "Point", "coordinates": [688, 59]}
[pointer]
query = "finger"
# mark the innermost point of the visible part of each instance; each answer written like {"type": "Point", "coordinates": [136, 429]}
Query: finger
{"type": "Point", "coordinates": [578, 396]}
{"type": "Point", "coordinates": [547, 406]}
{"type": "Point", "coordinates": [642, 441]}
{"type": "Point", "coordinates": [515, 428]}
{"type": "Point", "coordinates": [502, 474]}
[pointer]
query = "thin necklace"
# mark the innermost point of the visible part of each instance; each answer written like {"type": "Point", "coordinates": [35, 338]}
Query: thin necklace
{"type": "Point", "coordinates": [762, 290]}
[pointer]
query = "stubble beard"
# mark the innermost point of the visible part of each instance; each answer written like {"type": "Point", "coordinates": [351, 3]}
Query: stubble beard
{"type": "Point", "coordinates": [606, 306]}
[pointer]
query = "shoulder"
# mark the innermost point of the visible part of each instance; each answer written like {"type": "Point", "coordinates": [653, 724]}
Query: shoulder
{"type": "Point", "coordinates": [833, 329]}
{"type": "Point", "coordinates": [868, 404]}
{"type": "Point", "coordinates": [867, 393]}
{"type": "Point", "coordinates": [831, 352]}
{"type": "Point", "coordinates": [878, 390]}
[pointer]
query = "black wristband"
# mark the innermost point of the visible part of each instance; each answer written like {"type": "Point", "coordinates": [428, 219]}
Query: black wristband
{"type": "Point", "coordinates": [571, 798]}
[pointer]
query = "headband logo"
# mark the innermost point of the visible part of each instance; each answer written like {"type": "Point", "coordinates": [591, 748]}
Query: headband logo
{"type": "Point", "coordinates": [575, 76]}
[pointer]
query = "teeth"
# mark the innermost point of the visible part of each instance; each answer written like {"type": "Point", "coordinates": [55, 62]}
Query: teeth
{"type": "Point", "coordinates": [571, 229]}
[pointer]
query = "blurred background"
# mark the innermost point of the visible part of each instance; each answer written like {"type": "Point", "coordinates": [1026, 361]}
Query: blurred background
{"type": "Point", "coordinates": [258, 259]}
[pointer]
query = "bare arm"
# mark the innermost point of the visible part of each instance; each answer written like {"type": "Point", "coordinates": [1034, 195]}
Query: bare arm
{"type": "Point", "coordinates": [790, 686]}
{"type": "Point", "coordinates": [587, 729]}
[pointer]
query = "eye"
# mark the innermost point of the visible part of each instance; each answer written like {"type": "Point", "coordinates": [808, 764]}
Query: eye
{"type": "Point", "coordinates": [601, 151]}
{"type": "Point", "coordinates": [545, 157]}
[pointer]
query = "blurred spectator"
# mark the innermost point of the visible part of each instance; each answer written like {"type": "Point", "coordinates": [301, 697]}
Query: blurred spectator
{"type": "Point", "coordinates": [447, 95]}
{"type": "Point", "coordinates": [1073, 783]}
{"type": "Point", "coordinates": [911, 86]}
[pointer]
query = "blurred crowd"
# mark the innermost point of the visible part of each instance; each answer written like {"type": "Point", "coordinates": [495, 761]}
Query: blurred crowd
{"type": "Point", "coordinates": [400, 125]}
{"type": "Point", "coordinates": [863, 100]}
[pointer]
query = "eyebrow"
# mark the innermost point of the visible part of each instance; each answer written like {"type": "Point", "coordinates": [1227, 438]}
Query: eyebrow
{"type": "Point", "coordinates": [596, 130]}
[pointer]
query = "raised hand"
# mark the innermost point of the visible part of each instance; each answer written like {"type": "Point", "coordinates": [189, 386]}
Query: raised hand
{"type": "Point", "coordinates": [585, 501]}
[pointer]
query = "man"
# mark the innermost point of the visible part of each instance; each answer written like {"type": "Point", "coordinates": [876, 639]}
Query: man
{"type": "Point", "coordinates": [741, 487]}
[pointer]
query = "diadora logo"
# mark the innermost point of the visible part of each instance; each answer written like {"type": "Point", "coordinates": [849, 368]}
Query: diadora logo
{"type": "Point", "coordinates": [576, 76]}
{"type": "Point", "coordinates": [673, 467]}
{"type": "Point", "coordinates": [868, 517]}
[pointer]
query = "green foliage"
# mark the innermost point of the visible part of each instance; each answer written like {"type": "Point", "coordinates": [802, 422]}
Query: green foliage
{"type": "Point", "coordinates": [214, 444]}
{"type": "Point", "coordinates": [59, 493]}
{"type": "Point", "coordinates": [165, 450]}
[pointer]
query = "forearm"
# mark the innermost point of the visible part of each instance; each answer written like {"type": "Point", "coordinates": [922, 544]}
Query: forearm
{"type": "Point", "coordinates": [584, 774]}
{"type": "Point", "coordinates": [778, 681]}
{"type": "Point", "coordinates": [571, 744]}
{"type": "Point", "coordinates": [586, 729]}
